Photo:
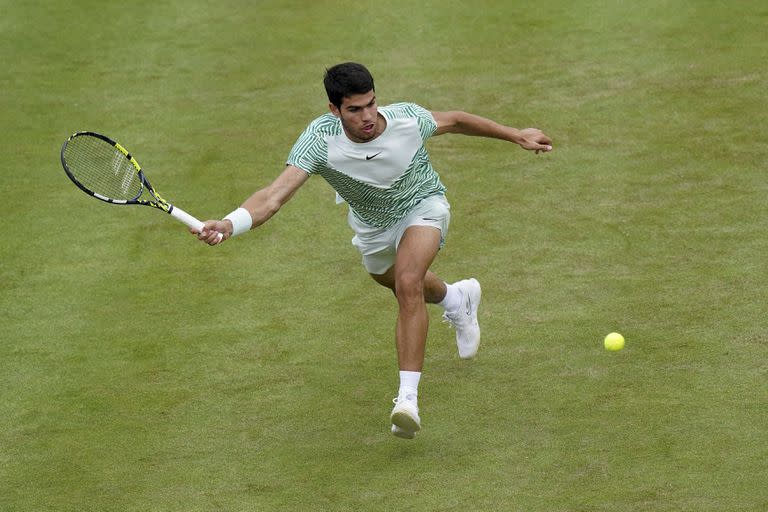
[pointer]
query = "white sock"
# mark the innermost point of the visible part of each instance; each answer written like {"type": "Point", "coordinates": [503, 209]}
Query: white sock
{"type": "Point", "coordinates": [409, 383]}
{"type": "Point", "coordinates": [452, 300]}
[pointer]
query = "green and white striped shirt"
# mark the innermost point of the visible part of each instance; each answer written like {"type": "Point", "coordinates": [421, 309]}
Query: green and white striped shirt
{"type": "Point", "coordinates": [382, 179]}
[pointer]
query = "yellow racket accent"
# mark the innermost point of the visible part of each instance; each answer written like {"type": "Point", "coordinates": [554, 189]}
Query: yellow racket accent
{"type": "Point", "coordinates": [131, 159]}
{"type": "Point", "coordinates": [121, 148]}
{"type": "Point", "coordinates": [162, 203]}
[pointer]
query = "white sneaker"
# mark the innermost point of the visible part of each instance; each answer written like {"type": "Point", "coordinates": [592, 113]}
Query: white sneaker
{"type": "Point", "coordinates": [405, 416]}
{"type": "Point", "coordinates": [464, 320]}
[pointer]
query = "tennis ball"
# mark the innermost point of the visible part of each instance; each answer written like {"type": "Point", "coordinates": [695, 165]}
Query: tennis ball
{"type": "Point", "coordinates": [614, 342]}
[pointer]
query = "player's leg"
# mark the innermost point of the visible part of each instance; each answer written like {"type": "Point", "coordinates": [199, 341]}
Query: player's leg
{"type": "Point", "coordinates": [417, 249]}
{"type": "Point", "coordinates": [387, 256]}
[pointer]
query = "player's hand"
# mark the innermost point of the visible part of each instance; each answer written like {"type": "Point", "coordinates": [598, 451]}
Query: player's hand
{"type": "Point", "coordinates": [534, 139]}
{"type": "Point", "coordinates": [214, 231]}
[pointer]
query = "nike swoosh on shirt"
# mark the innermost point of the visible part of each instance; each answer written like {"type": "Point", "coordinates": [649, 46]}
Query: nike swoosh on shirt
{"type": "Point", "coordinates": [372, 156]}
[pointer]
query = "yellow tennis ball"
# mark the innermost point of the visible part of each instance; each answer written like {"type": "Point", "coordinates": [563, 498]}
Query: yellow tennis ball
{"type": "Point", "coordinates": [614, 342]}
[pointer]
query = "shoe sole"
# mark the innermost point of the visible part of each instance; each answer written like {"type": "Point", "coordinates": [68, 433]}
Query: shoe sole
{"type": "Point", "coordinates": [405, 421]}
{"type": "Point", "coordinates": [402, 434]}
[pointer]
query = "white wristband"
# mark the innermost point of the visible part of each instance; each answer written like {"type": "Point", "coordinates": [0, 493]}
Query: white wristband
{"type": "Point", "coordinates": [241, 221]}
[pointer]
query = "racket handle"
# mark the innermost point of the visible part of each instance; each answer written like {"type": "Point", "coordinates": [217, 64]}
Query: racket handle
{"type": "Point", "coordinates": [182, 216]}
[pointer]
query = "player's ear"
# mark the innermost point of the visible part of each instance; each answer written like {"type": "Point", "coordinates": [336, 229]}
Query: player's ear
{"type": "Point", "coordinates": [334, 110]}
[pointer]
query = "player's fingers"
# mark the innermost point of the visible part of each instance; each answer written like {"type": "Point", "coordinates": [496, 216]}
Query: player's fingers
{"type": "Point", "coordinates": [206, 232]}
{"type": "Point", "coordinates": [204, 235]}
{"type": "Point", "coordinates": [215, 238]}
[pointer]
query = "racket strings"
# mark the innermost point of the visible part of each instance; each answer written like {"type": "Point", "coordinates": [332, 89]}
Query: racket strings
{"type": "Point", "coordinates": [102, 168]}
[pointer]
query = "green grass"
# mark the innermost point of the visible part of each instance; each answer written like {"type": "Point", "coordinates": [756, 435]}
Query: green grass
{"type": "Point", "coordinates": [140, 370]}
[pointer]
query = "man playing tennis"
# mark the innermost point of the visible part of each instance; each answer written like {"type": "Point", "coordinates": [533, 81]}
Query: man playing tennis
{"type": "Point", "coordinates": [376, 161]}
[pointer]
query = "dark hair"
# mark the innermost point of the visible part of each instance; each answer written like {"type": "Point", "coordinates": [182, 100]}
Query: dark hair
{"type": "Point", "coordinates": [344, 80]}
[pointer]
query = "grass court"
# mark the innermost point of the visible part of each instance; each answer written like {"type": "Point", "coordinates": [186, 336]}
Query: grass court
{"type": "Point", "coordinates": [141, 370]}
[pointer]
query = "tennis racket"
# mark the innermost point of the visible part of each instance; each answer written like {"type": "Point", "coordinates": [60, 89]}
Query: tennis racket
{"type": "Point", "coordinates": [104, 169]}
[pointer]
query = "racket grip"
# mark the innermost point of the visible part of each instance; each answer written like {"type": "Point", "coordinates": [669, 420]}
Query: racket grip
{"type": "Point", "coordinates": [182, 216]}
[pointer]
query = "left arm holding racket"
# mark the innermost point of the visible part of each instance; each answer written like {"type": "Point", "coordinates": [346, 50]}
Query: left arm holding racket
{"type": "Point", "coordinates": [257, 209]}
{"type": "Point", "coordinates": [104, 169]}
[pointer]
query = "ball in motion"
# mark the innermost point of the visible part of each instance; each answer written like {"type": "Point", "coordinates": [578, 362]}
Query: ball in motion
{"type": "Point", "coordinates": [614, 342]}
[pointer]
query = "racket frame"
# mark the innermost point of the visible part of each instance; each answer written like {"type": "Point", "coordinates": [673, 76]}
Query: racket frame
{"type": "Point", "coordinates": [159, 202]}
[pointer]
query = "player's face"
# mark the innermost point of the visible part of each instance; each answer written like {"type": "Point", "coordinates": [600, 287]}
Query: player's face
{"type": "Point", "coordinates": [359, 116]}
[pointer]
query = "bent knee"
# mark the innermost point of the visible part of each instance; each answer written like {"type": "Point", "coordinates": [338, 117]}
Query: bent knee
{"type": "Point", "coordinates": [409, 286]}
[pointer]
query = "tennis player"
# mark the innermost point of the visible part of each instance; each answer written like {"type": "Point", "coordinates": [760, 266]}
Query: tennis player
{"type": "Point", "coordinates": [375, 159]}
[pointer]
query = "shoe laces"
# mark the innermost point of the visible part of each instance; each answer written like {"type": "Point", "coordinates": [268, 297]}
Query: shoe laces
{"type": "Point", "coordinates": [453, 320]}
{"type": "Point", "coordinates": [404, 398]}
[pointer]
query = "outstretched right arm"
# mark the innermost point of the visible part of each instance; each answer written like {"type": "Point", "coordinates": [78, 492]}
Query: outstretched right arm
{"type": "Point", "coordinates": [261, 206]}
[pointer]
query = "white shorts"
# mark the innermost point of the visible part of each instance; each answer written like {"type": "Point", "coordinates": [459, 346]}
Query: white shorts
{"type": "Point", "coordinates": [379, 246]}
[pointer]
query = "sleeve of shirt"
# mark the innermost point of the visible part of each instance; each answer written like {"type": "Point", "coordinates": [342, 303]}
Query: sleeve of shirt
{"type": "Point", "coordinates": [309, 153]}
{"type": "Point", "coordinates": [424, 118]}
{"type": "Point", "coordinates": [427, 124]}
